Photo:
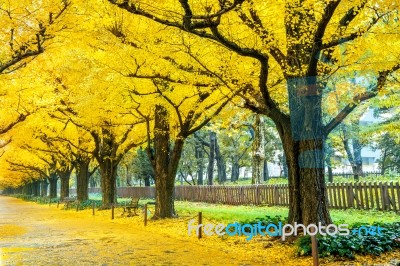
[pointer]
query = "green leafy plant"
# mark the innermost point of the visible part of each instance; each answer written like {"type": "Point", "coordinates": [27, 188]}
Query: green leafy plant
{"type": "Point", "coordinates": [267, 220]}
{"type": "Point", "coordinates": [349, 245]}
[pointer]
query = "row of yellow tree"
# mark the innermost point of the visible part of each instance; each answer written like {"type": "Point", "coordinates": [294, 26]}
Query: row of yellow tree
{"type": "Point", "coordinates": [87, 81]}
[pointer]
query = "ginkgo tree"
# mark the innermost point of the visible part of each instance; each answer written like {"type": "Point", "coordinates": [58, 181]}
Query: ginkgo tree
{"type": "Point", "coordinates": [103, 120]}
{"type": "Point", "coordinates": [174, 103]}
{"type": "Point", "coordinates": [169, 122]}
{"type": "Point", "coordinates": [30, 156]}
{"type": "Point", "coordinates": [25, 30]}
{"type": "Point", "coordinates": [297, 49]}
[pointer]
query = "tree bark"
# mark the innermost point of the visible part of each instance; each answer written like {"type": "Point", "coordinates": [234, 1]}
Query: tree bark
{"type": "Point", "coordinates": [235, 168]}
{"type": "Point", "coordinates": [265, 170]}
{"type": "Point", "coordinates": [221, 164]}
{"type": "Point", "coordinates": [285, 167]}
{"type": "Point", "coordinates": [36, 188]}
{"type": "Point", "coordinates": [108, 172]}
{"type": "Point", "coordinates": [199, 154]}
{"type": "Point", "coordinates": [43, 188]}
{"type": "Point", "coordinates": [64, 188]}
{"type": "Point", "coordinates": [383, 162]}
{"type": "Point", "coordinates": [53, 178]}
{"type": "Point", "coordinates": [128, 176]}
{"type": "Point", "coordinates": [147, 181]}
{"type": "Point", "coordinates": [303, 142]}
{"type": "Point", "coordinates": [165, 163]}
{"type": "Point", "coordinates": [211, 158]}
{"type": "Point", "coordinates": [307, 191]}
{"type": "Point", "coordinates": [82, 179]}
{"type": "Point", "coordinates": [358, 171]}
{"type": "Point", "coordinates": [92, 181]}
{"type": "Point", "coordinates": [27, 189]}
{"type": "Point", "coordinates": [258, 152]}
{"type": "Point", "coordinates": [354, 156]}
{"type": "Point", "coordinates": [329, 154]}
{"type": "Point", "coordinates": [108, 160]}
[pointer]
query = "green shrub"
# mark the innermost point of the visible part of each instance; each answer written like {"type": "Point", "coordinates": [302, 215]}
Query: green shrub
{"type": "Point", "coordinates": [349, 245]}
{"type": "Point", "coordinates": [266, 220]}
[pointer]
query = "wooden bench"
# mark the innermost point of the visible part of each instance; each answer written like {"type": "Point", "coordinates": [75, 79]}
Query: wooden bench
{"type": "Point", "coordinates": [133, 205]}
{"type": "Point", "coordinates": [68, 201]}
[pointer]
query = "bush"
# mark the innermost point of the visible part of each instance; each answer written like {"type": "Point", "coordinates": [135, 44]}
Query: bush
{"type": "Point", "coordinates": [349, 245]}
{"type": "Point", "coordinates": [87, 204]}
{"type": "Point", "coordinates": [266, 220]}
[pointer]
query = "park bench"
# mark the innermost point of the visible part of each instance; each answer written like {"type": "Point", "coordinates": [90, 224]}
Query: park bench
{"type": "Point", "coordinates": [133, 205]}
{"type": "Point", "coordinates": [68, 202]}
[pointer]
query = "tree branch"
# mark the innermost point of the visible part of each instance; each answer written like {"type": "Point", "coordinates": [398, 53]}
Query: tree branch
{"type": "Point", "coordinates": [354, 35]}
{"type": "Point", "coordinates": [32, 47]}
{"type": "Point", "coordinates": [20, 119]}
{"type": "Point", "coordinates": [381, 81]}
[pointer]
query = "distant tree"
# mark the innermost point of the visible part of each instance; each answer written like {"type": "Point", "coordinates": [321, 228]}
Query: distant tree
{"type": "Point", "coordinates": [390, 153]}
{"type": "Point", "coordinates": [142, 168]}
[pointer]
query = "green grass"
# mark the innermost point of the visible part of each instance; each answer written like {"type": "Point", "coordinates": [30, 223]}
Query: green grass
{"type": "Point", "coordinates": [387, 178]}
{"type": "Point", "coordinates": [226, 213]}
{"type": "Point", "coordinates": [352, 216]}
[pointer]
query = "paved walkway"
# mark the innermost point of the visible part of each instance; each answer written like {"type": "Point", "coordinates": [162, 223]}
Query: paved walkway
{"type": "Point", "coordinates": [33, 234]}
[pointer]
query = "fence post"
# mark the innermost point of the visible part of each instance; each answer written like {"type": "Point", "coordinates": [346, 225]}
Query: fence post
{"type": "Point", "coordinates": [314, 250]}
{"type": "Point", "coordinates": [93, 208]}
{"type": "Point", "coordinates": [200, 222]}
{"type": "Point", "coordinates": [145, 214]}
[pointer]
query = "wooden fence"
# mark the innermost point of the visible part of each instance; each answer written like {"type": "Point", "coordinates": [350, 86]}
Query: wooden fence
{"type": "Point", "coordinates": [384, 196]}
{"type": "Point", "coordinates": [125, 192]}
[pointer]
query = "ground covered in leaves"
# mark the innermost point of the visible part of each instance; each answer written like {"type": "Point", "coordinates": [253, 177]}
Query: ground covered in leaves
{"type": "Point", "coordinates": [33, 234]}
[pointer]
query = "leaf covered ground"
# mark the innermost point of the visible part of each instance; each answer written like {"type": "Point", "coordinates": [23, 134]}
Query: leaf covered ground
{"type": "Point", "coordinates": [33, 234]}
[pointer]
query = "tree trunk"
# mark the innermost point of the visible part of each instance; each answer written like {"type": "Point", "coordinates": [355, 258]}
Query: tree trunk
{"type": "Point", "coordinates": [147, 181]}
{"type": "Point", "coordinates": [358, 171]}
{"type": "Point", "coordinates": [36, 188]}
{"type": "Point", "coordinates": [383, 162]}
{"type": "Point", "coordinates": [199, 154]}
{"type": "Point", "coordinates": [211, 158]}
{"type": "Point", "coordinates": [258, 152]}
{"type": "Point", "coordinates": [307, 190]}
{"type": "Point", "coordinates": [265, 171]}
{"type": "Point", "coordinates": [330, 174]}
{"type": "Point", "coordinates": [165, 163]}
{"type": "Point", "coordinates": [53, 178]}
{"type": "Point", "coordinates": [43, 188]}
{"type": "Point", "coordinates": [92, 182]}
{"type": "Point", "coordinates": [108, 172]}
{"type": "Point", "coordinates": [128, 176]}
{"type": "Point", "coordinates": [64, 188]}
{"type": "Point", "coordinates": [221, 164]}
{"type": "Point", "coordinates": [285, 167]}
{"type": "Point", "coordinates": [235, 168]}
{"type": "Point", "coordinates": [82, 179]}
{"type": "Point", "coordinates": [354, 155]}
{"type": "Point", "coordinates": [329, 154]}
{"type": "Point", "coordinates": [27, 189]}
{"type": "Point", "coordinates": [303, 142]}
